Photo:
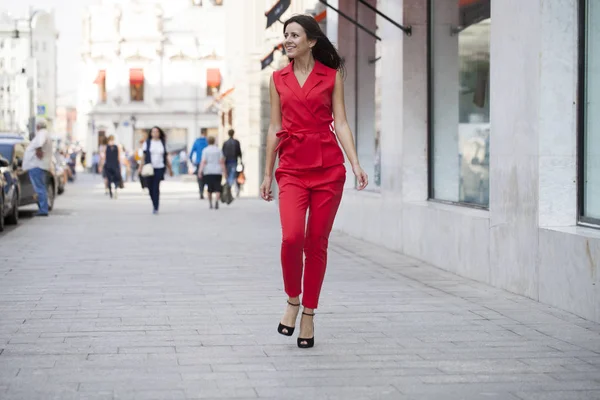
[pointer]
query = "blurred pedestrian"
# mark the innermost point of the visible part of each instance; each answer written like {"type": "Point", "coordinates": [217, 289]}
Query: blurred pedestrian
{"type": "Point", "coordinates": [36, 161]}
{"type": "Point", "coordinates": [155, 155]}
{"type": "Point", "coordinates": [211, 171]}
{"type": "Point", "coordinates": [196, 156]}
{"type": "Point", "coordinates": [95, 162]}
{"type": "Point", "coordinates": [133, 165]}
{"type": "Point", "coordinates": [102, 153]}
{"type": "Point", "coordinates": [111, 165]}
{"type": "Point", "coordinates": [232, 152]}
{"type": "Point", "coordinates": [183, 162]}
{"type": "Point", "coordinates": [306, 97]}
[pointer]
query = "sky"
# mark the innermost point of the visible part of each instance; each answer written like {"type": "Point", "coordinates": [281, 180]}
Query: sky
{"type": "Point", "coordinates": [68, 15]}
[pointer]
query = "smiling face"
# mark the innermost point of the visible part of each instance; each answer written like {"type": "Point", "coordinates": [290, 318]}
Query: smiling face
{"type": "Point", "coordinates": [155, 134]}
{"type": "Point", "coordinates": [296, 42]}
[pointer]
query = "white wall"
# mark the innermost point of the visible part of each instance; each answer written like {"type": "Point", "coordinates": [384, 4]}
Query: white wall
{"type": "Point", "coordinates": [528, 241]}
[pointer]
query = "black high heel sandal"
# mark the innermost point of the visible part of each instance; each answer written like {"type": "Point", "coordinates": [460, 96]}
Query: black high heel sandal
{"type": "Point", "coordinates": [310, 342]}
{"type": "Point", "coordinates": [290, 329]}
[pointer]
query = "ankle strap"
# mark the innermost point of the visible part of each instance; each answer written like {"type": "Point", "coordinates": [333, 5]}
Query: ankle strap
{"type": "Point", "coordinates": [310, 315]}
{"type": "Point", "coordinates": [292, 304]}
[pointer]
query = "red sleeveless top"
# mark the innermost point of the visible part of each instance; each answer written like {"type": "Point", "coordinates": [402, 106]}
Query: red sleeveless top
{"type": "Point", "coordinates": [307, 138]}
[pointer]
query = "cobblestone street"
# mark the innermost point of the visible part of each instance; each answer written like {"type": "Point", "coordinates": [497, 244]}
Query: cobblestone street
{"type": "Point", "coordinates": [103, 300]}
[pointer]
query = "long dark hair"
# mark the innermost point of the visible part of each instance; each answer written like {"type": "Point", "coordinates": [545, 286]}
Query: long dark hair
{"type": "Point", "coordinates": [323, 51]}
{"type": "Point", "coordinates": [163, 136]}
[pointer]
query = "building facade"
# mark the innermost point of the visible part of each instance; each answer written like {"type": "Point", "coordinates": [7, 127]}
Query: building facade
{"type": "Point", "coordinates": [151, 62]}
{"type": "Point", "coordinates": [479, 130]}
{"type": "Point", "coordinates": [20, 73]}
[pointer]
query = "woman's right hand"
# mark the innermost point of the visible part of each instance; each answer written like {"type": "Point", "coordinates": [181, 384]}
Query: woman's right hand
{"type": "Point", "coordinates": [265, 189]}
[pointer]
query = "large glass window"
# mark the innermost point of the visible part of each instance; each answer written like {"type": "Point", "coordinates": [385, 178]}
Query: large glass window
{"type": "Point", "coordinates": [368, 92]}
{"type": "Point", "coordinates": [590, 142]}
{"type": "Point", "coordinates": [459, 51]}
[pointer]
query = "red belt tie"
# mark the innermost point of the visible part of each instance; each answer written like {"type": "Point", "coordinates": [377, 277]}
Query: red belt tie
{"type": "Point", "coordinates": [287, 135]}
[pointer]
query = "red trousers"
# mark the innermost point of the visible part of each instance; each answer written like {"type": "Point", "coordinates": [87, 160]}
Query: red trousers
{"type": "Point", "coordinates": [319, 191]}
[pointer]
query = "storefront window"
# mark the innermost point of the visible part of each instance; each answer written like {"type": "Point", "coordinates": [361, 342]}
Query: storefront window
{"type": "Point", "coordinates": [368, 93]}
{"type": "Point", "coordinates": [590, 173]}
{"type": "Point", "coordinates": [460, 101]}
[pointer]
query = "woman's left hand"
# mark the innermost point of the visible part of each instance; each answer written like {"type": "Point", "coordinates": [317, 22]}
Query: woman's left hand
{"type": "Point", "coordinates": [170, 172]}
{"type": "Point", "coordinates": [361, 177]}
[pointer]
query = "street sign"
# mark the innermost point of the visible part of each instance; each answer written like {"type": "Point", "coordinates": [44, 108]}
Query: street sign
{"type": "Point", "coordinates": [41, 110]}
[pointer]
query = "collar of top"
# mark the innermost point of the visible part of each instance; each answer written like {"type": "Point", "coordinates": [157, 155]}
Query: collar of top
{"type": "Point", "coordinates": [319, 68]}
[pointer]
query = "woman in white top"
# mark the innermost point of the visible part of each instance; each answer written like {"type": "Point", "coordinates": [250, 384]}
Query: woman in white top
{"type": "Point", "coordinates": [212, 169]}
{"type": "Point", "coordinates": [155, 153]}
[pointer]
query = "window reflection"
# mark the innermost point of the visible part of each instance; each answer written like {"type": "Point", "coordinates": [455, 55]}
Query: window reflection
{"type": "Point", "coordinates": [591, 141]}
{"type": "Point", "coordinates": [460, 56]}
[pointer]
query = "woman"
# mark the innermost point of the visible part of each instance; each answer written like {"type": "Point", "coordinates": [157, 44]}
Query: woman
{"type": "Point", "coordinates": [155, 153]}
{"type": "Point", "coordinates": [211, 170]}
{"type": "Point", "coordinates": [111, 165]}
{"type": "Point", "coordinates": [311, 172]}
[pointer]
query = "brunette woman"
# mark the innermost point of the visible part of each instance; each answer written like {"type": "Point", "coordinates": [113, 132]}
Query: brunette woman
{"type": "Point", "coordinates": [155, 154]}
{"type": "Point", "coordinates": [111, 166]}
{"type": "Point", "coordinates": [307, 97]}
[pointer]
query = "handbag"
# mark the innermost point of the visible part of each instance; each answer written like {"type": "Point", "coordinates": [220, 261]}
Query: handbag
{"type": "Point", "coordinates": [147, 170]}
{"type": "Point", "coordinates": [241, 178]}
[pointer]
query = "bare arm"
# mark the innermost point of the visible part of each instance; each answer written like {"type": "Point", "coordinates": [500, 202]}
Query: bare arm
{"type": "Point", "coordinates": [274, 127]}
{"type": "Point", "coordinates": [202, 165]}
{"type": "Point", "coordinates": [343, 132]}
{"type": "Point", "coordinates": [272, 140]}
{"type": "Point", "coordinates": [222, 162]}
{"type": "Point", "coordinates": [102, 159]}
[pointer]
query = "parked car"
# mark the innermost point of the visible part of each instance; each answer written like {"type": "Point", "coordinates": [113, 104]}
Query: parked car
{"type": "Point", "coordinates": [10, 192]}
{"type": "Point", "coordinates": [12, 147]}
{"type": "Point", "coordinates": [2, 185]}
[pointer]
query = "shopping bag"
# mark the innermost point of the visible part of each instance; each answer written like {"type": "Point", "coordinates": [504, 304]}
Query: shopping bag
{"type": "Point", "coordinates": [226, 196]}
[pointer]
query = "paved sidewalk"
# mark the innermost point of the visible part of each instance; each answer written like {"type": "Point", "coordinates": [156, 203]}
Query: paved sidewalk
{"type": "Point", "coordinates": [104, 300]}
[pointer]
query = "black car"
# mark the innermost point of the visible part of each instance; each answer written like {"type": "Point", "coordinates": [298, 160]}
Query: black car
{"type": "Point", "coordinates": [9, 207]}
{"type": "Point", "coordinates": [2, 186]}
{"type": "Point", "coordinates": [12, 148]}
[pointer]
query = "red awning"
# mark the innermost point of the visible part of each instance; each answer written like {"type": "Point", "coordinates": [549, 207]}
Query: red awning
{"type": "Point", "coordinates": [100, 77]}
{"type": "Point", "coordinates": [136, 76]}
{"type": "Point", "coordinates": [225, 93]}
{"type": "Point", "coordinates": [213, 77]}
{"type": "Point", "coordinates": [321, 16]}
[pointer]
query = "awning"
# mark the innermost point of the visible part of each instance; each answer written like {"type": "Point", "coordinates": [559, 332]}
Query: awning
{"type": "Point", "coordinates": [136, 76]}
{"type": "Point", "coordinates": [268, 59]}
{"type": "Point", "coordinates": [226, 93]}
{"type": "Point", "coordinates": [213, 77]}
{"type": "Point", "coordinates": [277, 11]}
{"type": "Point", "coordinates": [321, 16]}
{"type": "Point", "coordinates": [473, 12]}
{"type": "Point", "coordinates": [100, 77]}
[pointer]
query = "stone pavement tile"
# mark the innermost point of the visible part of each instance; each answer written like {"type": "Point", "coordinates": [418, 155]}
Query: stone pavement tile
{"type": "Point", "coordinates": [330, 392]}
{"type": "Point", "coordinates": [464, 396]}
{"type": "Point", "coordinates": [560, 395]}
{"type": "Point", "coordinates": [497, 387]}
{"type": "Point", "coordinates": [577, 376]}
{"type": "Point", "coordinates": [149, 395]}
{"type": "Point", "coordinates": [198, 390]}
{"type": "Point", "coordinates": [28, 391]}
{"type": "Point", "coordinates": [486, 378]}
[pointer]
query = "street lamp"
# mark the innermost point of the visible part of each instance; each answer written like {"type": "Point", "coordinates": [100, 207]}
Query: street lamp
{"type": "Point", "coordinates": [32, 108]}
